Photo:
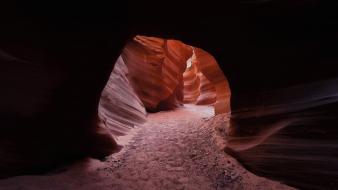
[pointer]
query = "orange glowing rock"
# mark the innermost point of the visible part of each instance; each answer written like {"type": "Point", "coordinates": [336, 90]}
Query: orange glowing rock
{"type": "Point", "coordinates": [205, 83]}
{"type": "Point", "coordinates": [207, 91]}
{"type": "Point", "coordinates": [156, 66]}
{"type": "Point", "coordinates": [191, 83]}
{"type": "Point", "coordinates": [209, 68]}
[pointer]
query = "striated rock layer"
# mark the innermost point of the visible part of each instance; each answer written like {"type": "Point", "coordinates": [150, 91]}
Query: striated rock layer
{"type": "Point", "coordinates": [292, 136]}
{"type": "Point", "coordinates": [120, 108]}
{"type": "Point", "coordinates": [210, 69]}
{"type": "Point", "coordinates": [159, 74]}
{"type": "Point", "coordinates": [156, 66]}
{"type": "Point", "coordinates": [205, 83]}
{"type": "Point", "coordinates": [207, 91]}
{"type": "Point", "coordinates": [191, 82]}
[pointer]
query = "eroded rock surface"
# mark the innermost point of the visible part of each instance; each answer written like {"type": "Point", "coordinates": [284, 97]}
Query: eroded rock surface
{"type": "Point", "coordinates": [120, 109]}
{"type": "Point", "coordinates": [158, 72]}
{"type": "Point", "coordinates": [290, 135]}
{"type": "Point", "coordinates": [191, 82]}
{"type": "Point", "coordinates": [210, 69]}
{"type": "Point", "coordinates": [208, 92]}
{"type": "Point", "coordinates": [155, 69]}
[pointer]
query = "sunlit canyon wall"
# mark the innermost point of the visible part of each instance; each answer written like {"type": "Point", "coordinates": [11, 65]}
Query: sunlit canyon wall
{"type": "Point", "coordinates": [197, 88]}
{"type": "Point", "coordinates": [156, 66]}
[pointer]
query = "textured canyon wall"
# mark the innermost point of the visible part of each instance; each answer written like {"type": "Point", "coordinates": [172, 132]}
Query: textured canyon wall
{"type": "Point", "coordinates": [158, 72]}
{"type": "Point", "coordinates": [197, 88]}
{"type": "Point", "coordinates": [290, 135]}
{"type": "Point", "coordinates": [208, 66]}
{"type": "Point", "coordinates": [207, 91]}
{"type": "Point", "coordinates": [200, 90]}
{"type": "Point", "coordinates": [120, 108]}
{"type": "Point", "coordinates": [191, 82]}
{"type": "Point", "coordinates": [155, 70]}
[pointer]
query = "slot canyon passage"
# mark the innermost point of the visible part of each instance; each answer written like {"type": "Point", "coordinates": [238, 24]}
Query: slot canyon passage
{"type": "Point", "coordinates": [159, 103]}
{"type": "Point", "coordinates": [184, 95]}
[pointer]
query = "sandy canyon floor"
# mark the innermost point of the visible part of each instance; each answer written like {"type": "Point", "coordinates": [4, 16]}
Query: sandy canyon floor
{"type": "Point", "coordinates": [173, 150]}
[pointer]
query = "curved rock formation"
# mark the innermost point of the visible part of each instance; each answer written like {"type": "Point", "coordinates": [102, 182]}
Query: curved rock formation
{"type": "Point", "coordinates": [295, 131]}
{"type": "Point", "coordinates": [120, 108]}
{"type": "Point", "coordinates": [191, 82]}
{"type": "Point", "coordinates": [156, 66]}
{"type": "Point", "coordinates": [175, 99]}
{"type": "Point", "coordinates": [207, 91]}
{"type": "Point", "coordinates": [210, 69]}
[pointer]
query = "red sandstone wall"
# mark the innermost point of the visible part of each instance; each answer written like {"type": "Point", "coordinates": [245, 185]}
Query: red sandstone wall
{"type": "Point", "coordinates": [156, 66]}
{"type": "Point", "coordinates": [210, 69]}
{"type": "Point", "coordinates": [207, 91]}
{"type": "Point", "coordinates": [205, 83]}
{"type": "Point", "coordinates": [191, 83]}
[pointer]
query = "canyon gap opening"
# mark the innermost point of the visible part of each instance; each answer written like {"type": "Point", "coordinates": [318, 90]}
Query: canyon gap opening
{"type": "Point", "coordinates": [154, 74]}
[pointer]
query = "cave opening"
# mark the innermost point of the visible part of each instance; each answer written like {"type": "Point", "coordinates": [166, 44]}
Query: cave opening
{"type": "Point", "coordinates": [154, 74]}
